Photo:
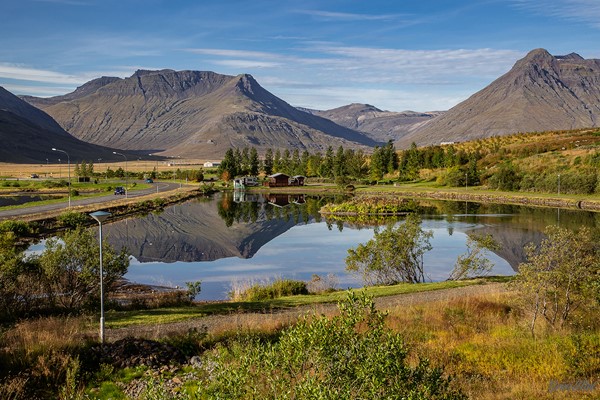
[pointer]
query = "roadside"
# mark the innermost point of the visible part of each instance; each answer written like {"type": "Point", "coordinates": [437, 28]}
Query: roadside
{"type": "Point", "coordinates": [46, 211]}
{"type": "Point", "coordinates": [248, 321]}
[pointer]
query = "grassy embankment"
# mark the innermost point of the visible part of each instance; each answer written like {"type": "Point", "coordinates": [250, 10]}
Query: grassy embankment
{"type": "Point", "coordinates": [482, 340]}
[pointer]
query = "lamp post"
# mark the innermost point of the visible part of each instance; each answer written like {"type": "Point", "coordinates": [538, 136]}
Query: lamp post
{"type": "Point", "coordinates": [559, 184]}
{"type": "Point", "coordinates": [69, 164]}
{"type": "Point", "coordinates": [101, 216]}
{"type": "Point", "coordinates": [126, 176]}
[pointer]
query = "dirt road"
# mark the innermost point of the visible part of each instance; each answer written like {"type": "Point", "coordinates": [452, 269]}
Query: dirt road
{"type": "Point", "coordinates": [245, 321]}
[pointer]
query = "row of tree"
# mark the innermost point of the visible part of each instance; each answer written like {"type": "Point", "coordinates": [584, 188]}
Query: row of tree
{"type": "Point", "coordinates": [349, 164]}
{"type": "Point", "coordinates": [340, 164]}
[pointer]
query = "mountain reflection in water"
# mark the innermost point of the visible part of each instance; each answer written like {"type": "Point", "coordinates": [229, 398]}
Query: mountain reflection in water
{"type": "Point", "coordinates": [259, 237]}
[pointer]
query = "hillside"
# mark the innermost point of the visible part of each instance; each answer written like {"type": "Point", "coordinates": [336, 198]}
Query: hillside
{"type": "Point", "coordinates": [28, 135]}
{"type": "Point", "coordinates": [379, 125]}
{"type": "Point", "coordinates": [191, 114]}
{"type": "Point", "coordinates": [540, 93]}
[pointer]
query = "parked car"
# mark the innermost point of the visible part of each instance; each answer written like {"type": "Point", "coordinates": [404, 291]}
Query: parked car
{"type": "Point", "coordinates": [149, 180]}
{"type": "Point", "coordinates": [119, 190]}
{"type": "Point", "coordinates": [34, 176]}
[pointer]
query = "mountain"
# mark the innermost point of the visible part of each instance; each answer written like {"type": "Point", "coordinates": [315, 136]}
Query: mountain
{"type": "Point", "coordinates": [541, 92]}
{"type": "Point", "coordinates": [29, 134]}
{"type": "Point", "coordinates": [377, 124]}
{"type": "Point", "coordinates": [191, 114]}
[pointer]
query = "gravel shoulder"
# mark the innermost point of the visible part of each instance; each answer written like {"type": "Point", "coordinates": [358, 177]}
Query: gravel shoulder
{"type": "Point", "coordinates": [248, 321]}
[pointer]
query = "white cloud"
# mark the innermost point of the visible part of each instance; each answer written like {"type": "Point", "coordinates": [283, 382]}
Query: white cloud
{"type": "Point", "coordinates": [329, 15]}
{"type": "Point", "coordinates": [20, 72]}
{"type": "Point", "coordinates": [246, 64]}
{"type": "Point", "coordinates": [233, 53]}
{"type": "Point", "coordinates": [586, 11]}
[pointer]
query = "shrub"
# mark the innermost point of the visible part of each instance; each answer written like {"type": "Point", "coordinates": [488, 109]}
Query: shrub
{"type": "Point", "coordinates": [19, 228]}
{"type": "Point", "coordinates": [273, 290]}
{"type": "Point", "coordinates": [350, 356]}
{"type": "Point", "coordinates": [72, 219]}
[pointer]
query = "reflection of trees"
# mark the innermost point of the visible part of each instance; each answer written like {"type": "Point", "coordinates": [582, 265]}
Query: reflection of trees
{"type": "Point", "coordinates": [296, 208]}
{"type": "Point", "coordinates": [231, 211]}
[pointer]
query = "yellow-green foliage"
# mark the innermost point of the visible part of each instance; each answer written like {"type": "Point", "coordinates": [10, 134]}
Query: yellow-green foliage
{"type": "Point", "coordinates": [371, 205]}
{"type": "Point", "coordinates": [484, 342]}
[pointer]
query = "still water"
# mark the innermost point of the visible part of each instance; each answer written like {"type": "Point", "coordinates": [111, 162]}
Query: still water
{"type": "Point", "coordinates": [23, 199]}
{"type": "Point", "coordinates": [225, 240]}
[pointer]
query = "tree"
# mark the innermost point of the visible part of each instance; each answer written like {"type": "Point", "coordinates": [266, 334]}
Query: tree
{"type": "Point", "coordinates": [268, 165]}
{"type": "Point", "coordinates": [326, 169]}
{"type": "Point", "coordinates": [394, 255]}
{"type": "Point", "coordinates": [475, 261]}
{"type": "Point", "coordinates": [254, 162]}
{"type": "Point", "coordinates": [277, 161]}
{"type": "Point", "coordinates": [83, 169]}
{"type": "Point", "coordinates": [560, 274]}
{"type": "Point", "coordinates": [71, 268]}
{"type": "Point", "coordinates": [339, 163]}
{"type": "Point", "coordinates": [228, 165]}
{"type": "Point", "coordinates": [376, 166]}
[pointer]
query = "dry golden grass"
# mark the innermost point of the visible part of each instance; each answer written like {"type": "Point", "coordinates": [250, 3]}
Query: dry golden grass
{"type": "Point", "coordinates": [60, 170]}
{"type": "Point", "coordinates": [485, 343]}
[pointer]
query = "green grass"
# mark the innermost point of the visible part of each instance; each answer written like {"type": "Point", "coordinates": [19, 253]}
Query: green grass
{"type": "Point", "coordinates": [120, 319]}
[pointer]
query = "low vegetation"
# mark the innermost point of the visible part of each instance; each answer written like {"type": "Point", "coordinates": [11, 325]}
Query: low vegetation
{"type": "Point", "coordinates": [370, 205]}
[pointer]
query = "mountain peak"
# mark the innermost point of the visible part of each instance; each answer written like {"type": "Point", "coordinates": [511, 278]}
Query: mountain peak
{"type": "Point", "coordinates": [540, 93]}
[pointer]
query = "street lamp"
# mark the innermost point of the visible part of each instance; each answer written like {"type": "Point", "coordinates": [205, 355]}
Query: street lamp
{"type": "Point", "coordinates": [126, 176]}
{"type": "Point", "coordinates": [69, 162]}
{"type": "Point", "coordinates": [101, 216]}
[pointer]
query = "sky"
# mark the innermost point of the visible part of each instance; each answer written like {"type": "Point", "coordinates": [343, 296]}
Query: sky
{"type": "Point", "coordinates": [394, 54]}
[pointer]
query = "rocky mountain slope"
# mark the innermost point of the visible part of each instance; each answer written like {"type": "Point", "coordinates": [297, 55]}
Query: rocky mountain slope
{"type": "Point", "coordinates": [191, 114]}
{"type": "Point", "coordinates": [28, 135]}
{"type": "Point", "coordinates": [541, 92]}
{"type": "Point", "coordinates": [377, 124]}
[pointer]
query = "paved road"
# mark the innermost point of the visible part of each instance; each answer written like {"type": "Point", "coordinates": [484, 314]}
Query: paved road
{"type": "Point", "coordinates": [19, 212]}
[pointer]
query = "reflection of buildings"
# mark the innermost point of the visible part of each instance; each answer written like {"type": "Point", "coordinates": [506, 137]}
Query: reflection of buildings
{"type": "Point", "coordinates": [240, 196]}
{"type": "Point", "coordinates": [282, 200]}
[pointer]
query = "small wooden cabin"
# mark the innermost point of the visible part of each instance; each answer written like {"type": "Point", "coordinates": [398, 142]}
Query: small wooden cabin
{"type": "Point", "coordinates": [277, 180]}
{"type": "Point", "coordinates": [297, 180]}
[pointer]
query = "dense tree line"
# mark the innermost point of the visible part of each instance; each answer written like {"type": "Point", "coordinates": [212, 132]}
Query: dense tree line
{"type": "Point", "coordinates": [339, 164]}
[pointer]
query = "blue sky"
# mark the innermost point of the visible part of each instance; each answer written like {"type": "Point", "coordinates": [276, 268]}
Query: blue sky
{"type": "Point", "coordinates": [396, 55]}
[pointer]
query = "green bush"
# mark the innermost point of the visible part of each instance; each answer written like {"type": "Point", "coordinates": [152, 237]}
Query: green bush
{"type": "Point", "coordinates": [55, 184]}
{"type": "Point", "coordinates": [350, 356]}
{"type": "Point", "coordinates": [276, 289]}
{"type": "Point", "coordinates": [72, 219]}
{"type": "Point", "coordinates": [19, 228]}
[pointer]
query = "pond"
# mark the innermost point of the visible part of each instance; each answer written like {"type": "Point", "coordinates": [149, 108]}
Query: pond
{"type": "Point", "coordinates": [227, 241]}
{"type": "Point", "coordinates": [15, 200]}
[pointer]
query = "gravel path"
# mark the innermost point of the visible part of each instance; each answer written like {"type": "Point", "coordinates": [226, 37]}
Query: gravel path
{"type": "Point", "coordinates": [246, 321]}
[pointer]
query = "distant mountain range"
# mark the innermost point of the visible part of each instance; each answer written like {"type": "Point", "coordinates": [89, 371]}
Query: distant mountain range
{"type": "Point", "coordinates": [379, 125]}
{"type": "Point", "coordinates": [191, 114]}
{"type": "Point", "coordinates": [202, 114]}
{"type": "Point", "coordinates": [540, 93]}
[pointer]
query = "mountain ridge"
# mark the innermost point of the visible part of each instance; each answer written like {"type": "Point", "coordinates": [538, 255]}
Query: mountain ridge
{"type": "Point", "coordinates": [193, 114]}
{"type": "Point", "coordinates": [540, 93]}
